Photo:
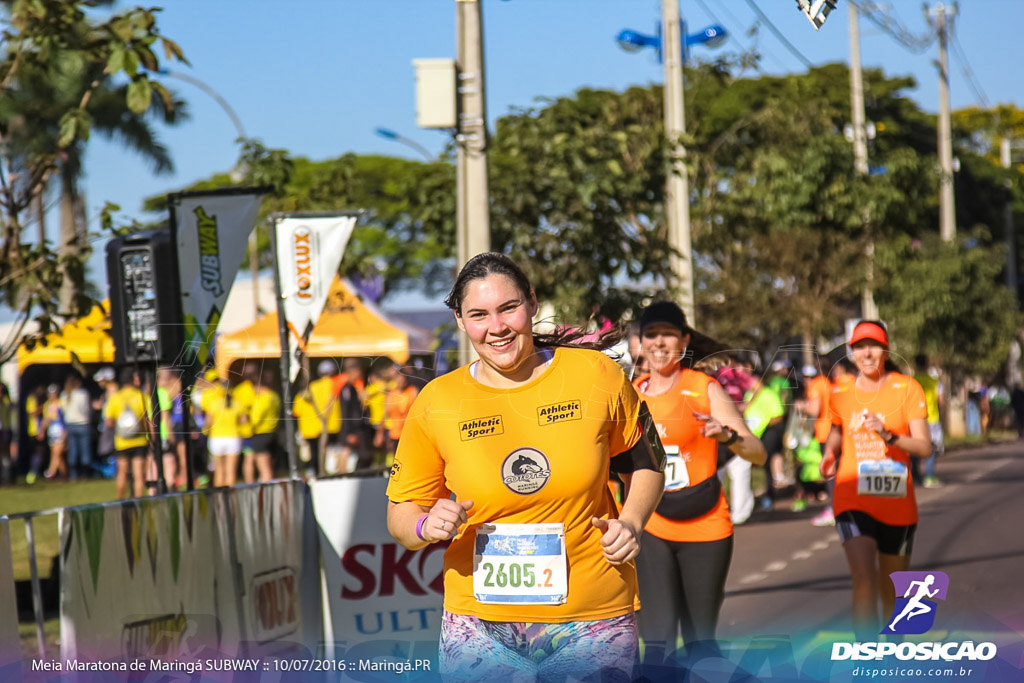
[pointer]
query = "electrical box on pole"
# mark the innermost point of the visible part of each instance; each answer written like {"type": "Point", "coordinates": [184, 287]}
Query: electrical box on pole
{"type": "Point", "coordinates": [436, 103]}
{"type": "Point", "coordinates": [145, 303]}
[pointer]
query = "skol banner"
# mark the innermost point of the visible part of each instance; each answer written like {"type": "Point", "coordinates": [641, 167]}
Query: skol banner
{"type": "Point", "coordinates": [139, 580]}
{"type": "Point", "coordinates": [275, 548]}
{"type": "Point", "coordinates": [212, 229]}
{"type": "Point", "coordinates": [379, 597]}
{"type": "Point", "coordinates": [309, 250]}
{"type": "Point", "coordinates": [10, 648]}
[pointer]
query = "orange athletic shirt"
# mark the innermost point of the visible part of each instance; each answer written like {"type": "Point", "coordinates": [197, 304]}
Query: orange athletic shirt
{"type": "Point", "coordinates": [462, 437]}
{"type": "Point", "coordinates": [673, 416]}
{"type": "Point", "coordinates": [821, 389]}
{"type": "Point", "coordinates": [396, 409]}
{"type": "Point", "coordinates": [898, 401]}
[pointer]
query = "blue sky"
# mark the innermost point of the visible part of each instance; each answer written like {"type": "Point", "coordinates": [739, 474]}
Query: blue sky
{"type": "Point", "coordinates": [317, 77]}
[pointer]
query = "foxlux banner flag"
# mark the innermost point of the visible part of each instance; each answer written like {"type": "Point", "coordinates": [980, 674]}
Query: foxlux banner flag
{"type": "Point", "coordinates": [212, 230]}
{"type": "Point", "coordinates": [309, 250]}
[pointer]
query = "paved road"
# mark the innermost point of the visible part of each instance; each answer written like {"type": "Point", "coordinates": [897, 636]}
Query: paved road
{"type": "Point", "coordinates": [788, 577]}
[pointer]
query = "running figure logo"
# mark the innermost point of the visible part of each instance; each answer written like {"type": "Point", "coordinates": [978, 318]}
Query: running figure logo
{"type": "Point", "coordinates": [915, 610]}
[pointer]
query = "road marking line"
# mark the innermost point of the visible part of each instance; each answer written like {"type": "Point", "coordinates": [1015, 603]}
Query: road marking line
{"type": "Point", "coordinates": [978, 474]}
{"type": "Point", "coordinates": [754, 578]}
{"type": "Point", "coordinates": [775, 566]}
{"type": "Point", "coordinates": [819, 545]}
{"type": "Point", "coordinates": [802, 555]}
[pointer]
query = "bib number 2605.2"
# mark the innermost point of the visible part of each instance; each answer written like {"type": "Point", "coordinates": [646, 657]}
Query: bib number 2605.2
{"type": "Point", "coordinates": [520, 564]}
{"type": "Point", "coordinates": [515, 575]}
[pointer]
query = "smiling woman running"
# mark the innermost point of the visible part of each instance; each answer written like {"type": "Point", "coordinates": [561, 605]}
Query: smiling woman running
{"type": "Point", "coordinates": [508, 459]}
{"type": "Point", "coordinates": [687, 545]}
{"type": "Point", "coordinates": [880, 421]}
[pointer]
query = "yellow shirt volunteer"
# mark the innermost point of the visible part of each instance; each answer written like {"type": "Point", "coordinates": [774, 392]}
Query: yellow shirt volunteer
{"type": "Point", "coordinates": [265, 412]}
{"type": "Point", "coordinates": [308, 421]}
{"type": "Point", "coordinates": [222, 420]}
{"type": "Point", "coordinates": [376, 397]}
{"type": "Point", "coordinates": [242, 397]}
{"type": "Point", "coordinates": [465, 438]}
{"type": "Point", "coordinates": [324, 402]}
{"type": "Point", "coordinates": [128, 400]}
{"type": "Point", "coordinates": [31, 406]}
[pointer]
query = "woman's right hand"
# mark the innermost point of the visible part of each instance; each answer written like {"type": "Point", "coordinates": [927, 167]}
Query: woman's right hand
{"type": "Point", "coordinates": [828, 464]}
{"type": "Point", "coordinates": [444, 519]}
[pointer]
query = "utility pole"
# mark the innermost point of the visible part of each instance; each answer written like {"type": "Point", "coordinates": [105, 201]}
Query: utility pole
{"type": "Point", "coordinates": [868, 310]}
{"type": "Point", "coordinates": [677, 192]}
{"type": "Point", "coordinates": [947, 205]}
{"type": "Point", "coordinates": [473, 221]}
{"type": "Point", "coordinates": [1005, 156]}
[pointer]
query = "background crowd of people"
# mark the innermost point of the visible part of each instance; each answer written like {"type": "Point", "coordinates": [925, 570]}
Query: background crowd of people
{"type": "Point", "coordinates": [349, 417]}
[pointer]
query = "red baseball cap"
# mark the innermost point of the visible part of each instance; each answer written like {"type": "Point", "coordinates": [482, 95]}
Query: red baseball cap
{"type": "Point", "coordinates": [868, 329]}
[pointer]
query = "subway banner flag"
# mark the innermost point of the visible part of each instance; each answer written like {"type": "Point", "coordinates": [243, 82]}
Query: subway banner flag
{"type": "Point", "coordinates": [309, 250]}
{"type": "Point", "coordinates": [212, 229]}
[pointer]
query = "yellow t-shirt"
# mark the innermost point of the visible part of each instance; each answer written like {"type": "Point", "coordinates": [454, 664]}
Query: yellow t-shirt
{"type": "Point", "coordinates": [376, 397]}
{"type": "Point", "coordinates": [325, 401]}
{"type": "Point", "coordinates": [31, 406]}
{"type": "Point", "coordinates": [222, 420]}
{"type": "Point", "coordinates": [308, 422]}
{"type": "Point", "coordinates": [463, 437]}
{"type": "Point", "coordinates": [128, 400]}
{"type": "Point", "coordinates": [265, 412]}
{"type": "Point", "coordinates": [242, 397]}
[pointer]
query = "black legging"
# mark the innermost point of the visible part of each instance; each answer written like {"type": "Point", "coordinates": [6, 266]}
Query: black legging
{"type": "Point", "coordinates": [682, 586]}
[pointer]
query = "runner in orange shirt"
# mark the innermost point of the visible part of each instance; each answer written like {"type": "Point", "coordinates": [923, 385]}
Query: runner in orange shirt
{"type": "Point", "coordinates": [880, 422]}
{"type": "Point", "coordinates": [396, 407]}
{"type": "Point", "coordinates": [687, 544]}
{"type": "Point", "coordinates": [508, 459]}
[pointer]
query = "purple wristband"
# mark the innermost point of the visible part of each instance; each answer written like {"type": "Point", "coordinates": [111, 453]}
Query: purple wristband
{"type": "Point", "coordinates": [419, 527]}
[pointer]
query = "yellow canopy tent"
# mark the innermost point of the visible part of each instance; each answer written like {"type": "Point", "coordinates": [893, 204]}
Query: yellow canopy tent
{"type": "Point", "coordinates": [347, 328]}
{"type": "Point", "coordinates": [88, 338]}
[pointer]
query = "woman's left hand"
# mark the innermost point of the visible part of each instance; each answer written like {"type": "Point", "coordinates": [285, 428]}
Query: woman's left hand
{"type": "Point", "coordinates": [710, 427]}
{"type": "Point", "coordinates": [620, 541]}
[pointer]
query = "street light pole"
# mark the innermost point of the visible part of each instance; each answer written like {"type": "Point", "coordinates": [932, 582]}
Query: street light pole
{"type": "Point", "coordinates": [473, 222]}
{"type": "Point", "coordinates": [392, 135]}
{"type": "Point", "coordinates": [677, 191]}
{"type": "Point", "coordinates": [947, 200]}
{"type": "Point", "coordinates": [868, 309]}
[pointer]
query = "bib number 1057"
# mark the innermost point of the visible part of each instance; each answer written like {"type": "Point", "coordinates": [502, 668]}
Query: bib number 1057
{"type": "Point", "coordinates": [882, 478]}
{"type": "Point", "coordinates": [515, 575]}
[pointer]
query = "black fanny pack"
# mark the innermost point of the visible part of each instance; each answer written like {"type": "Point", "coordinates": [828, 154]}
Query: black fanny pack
{"type": "Point", "coordinates": [693, 501]}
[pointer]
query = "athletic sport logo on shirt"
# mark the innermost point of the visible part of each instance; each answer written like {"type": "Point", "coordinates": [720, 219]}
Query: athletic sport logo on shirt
{"type": "Point", "coordinates": [525, 471]}
{"type": "Point", "coordinates": [563, 411]}
{"type": "Point", "coordinates": [481, 426]}
{"type": "Point", "coordinates": [915, 608]}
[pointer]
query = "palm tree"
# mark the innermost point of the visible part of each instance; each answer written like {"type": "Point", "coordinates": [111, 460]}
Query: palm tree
{"type": "Point", "coordinates": [30, 116]}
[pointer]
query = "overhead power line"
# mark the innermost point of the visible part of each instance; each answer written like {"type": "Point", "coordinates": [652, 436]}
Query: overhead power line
{"type": "Point", "coordinates": [972, 81]}
{"type": "Point", "coordinates": [883, 19]}
{"type": "Point", "coordinates": [732, 34]}
{"type": "Point", "coordinates": [778, 34]}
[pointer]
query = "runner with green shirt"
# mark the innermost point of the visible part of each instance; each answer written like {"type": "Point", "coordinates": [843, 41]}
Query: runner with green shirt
{"type": "Point", "coordinates": [764, 416]}
{"type": "Point", "coordinates": [934, 401]}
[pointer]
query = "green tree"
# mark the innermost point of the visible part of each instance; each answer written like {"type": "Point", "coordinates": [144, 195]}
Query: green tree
{"type": "Point", "coordinates": [54, 37]}
{"type": "Point", "coordinates": [947, 301]}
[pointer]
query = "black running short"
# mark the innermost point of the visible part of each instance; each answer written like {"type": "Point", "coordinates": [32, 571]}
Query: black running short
{"type": "Point", "coordinates": [891, 540]}
{"type": "Point", "coordinates": [137, 452]}
{"type": "Point", "coordinates": [264, 443]}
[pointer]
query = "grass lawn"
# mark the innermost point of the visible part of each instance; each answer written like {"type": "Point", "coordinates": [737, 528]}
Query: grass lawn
{"type": "Point", "coordinates": [45, 495]}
